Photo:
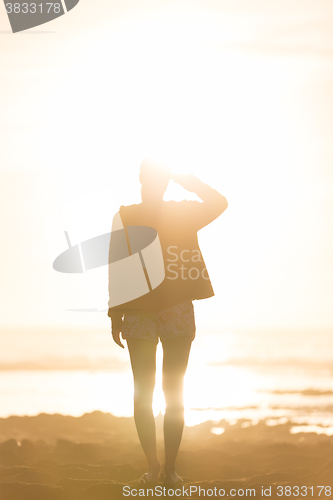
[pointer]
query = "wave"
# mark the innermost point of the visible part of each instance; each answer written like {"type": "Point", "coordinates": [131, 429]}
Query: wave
{"type": "Point", "coordinates": [72, 364]}
{"type": "Point", "coordinates": [304, 392]}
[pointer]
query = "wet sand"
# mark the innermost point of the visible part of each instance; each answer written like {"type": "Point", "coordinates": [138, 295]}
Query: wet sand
{"type": "Point", "coordinates": [93, 457]}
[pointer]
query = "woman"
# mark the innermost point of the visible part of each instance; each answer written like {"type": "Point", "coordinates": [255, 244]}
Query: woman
{"type": "Point", "coordinates": [166, 312]}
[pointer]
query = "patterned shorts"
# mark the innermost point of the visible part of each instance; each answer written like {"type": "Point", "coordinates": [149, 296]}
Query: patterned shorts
{"type": "Point", "coordinates": [175, 321]}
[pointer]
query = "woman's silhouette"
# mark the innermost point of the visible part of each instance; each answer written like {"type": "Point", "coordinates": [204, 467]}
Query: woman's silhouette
{"type": "Point", "coordinates": [166, 313]}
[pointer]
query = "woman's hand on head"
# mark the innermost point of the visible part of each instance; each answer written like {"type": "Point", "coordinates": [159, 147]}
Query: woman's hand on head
{"type": "Point", "coordinates": [187, 181]}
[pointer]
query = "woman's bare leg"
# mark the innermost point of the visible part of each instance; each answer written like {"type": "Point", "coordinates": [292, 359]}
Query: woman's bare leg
{"type": "Point", "coordinates": [175, 358]}
{"type": "Point", "coordinates": [143, 361]}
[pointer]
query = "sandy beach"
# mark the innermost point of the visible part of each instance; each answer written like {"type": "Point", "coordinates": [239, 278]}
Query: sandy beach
{"type": "Point", "coordinates": [94, 457]}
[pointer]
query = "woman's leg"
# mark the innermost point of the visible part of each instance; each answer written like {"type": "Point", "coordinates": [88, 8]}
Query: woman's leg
{"type": "Point", "coordinates": [175, 358]}
{"type": "Point", "coordinates": [143, 361]}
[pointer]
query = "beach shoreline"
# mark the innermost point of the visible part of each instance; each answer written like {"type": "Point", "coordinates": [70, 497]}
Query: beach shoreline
{"type": "Point", "coordinates": [57, 457]}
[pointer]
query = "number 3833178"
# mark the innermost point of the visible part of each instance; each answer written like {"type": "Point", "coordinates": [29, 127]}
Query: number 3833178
{"type": "Point", "coordinates": [304, 491]}
{"type": "Point", "coordinates": [33, 8]}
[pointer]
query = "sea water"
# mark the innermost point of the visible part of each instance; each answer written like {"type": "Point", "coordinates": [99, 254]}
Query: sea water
{"type": "Point", "coordinates": [271, 375]}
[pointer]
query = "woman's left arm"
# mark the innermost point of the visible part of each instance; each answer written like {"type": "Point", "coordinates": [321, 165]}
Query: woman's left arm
{"type": "Point", "coordinates": [214, 203]}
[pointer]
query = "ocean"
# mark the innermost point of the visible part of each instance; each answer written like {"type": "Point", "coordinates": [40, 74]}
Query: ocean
{"type": "Point", "coordinates": [276, 376]}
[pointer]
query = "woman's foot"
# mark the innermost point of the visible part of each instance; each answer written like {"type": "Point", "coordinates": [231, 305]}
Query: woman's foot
{"type": "Point", "coordinates": [152, 475]}
{"type": "Point", "coordinates": [172, 479]}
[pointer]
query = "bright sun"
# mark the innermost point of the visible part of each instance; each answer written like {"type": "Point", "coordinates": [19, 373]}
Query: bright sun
{"type": "Point", "coordinates": [173, 88]}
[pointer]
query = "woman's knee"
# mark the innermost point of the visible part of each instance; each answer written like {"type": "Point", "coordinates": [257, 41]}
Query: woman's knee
{"type": "Point", "coordinates": [175, 410]}
{"type": "Point", "coordinates": [174, 398]}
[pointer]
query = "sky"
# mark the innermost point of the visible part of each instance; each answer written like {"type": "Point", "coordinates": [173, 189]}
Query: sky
{"type": "Point", "coordinates": [238, 93]}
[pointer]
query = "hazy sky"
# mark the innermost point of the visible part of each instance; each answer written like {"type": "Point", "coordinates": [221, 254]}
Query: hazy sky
{"type": "Point", "coordinates": [240, 93]}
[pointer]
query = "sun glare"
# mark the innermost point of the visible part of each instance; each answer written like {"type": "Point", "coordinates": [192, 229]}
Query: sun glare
{"type": "Point", "coordinates": [194, 102]}
{"type": "Point", "coordinates": [191, 102]}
